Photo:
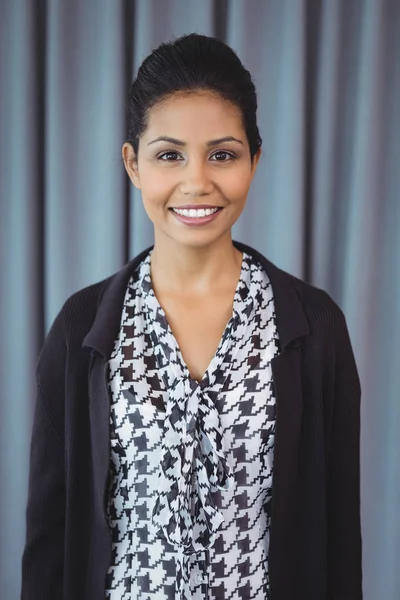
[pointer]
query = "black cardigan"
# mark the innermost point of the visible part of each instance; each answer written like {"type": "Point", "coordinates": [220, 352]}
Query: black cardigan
{"type": "Point", "coordinates": [315, 536]}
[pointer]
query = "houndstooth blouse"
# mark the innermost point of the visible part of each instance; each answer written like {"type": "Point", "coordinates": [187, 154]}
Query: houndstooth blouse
{"type": "Point", "coordinates": [191, 463]}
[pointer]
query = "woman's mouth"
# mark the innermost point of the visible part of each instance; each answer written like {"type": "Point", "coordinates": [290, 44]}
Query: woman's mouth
{"type": "Point", "coordinates": [199, 216]}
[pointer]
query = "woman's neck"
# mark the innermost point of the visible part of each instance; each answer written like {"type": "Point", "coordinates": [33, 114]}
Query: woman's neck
{"type": "Point", "coordinates": [194, 271]}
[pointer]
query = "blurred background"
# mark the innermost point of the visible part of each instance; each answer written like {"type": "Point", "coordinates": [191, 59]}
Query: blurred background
{"type": "Point", "coordinates": [325, 203]}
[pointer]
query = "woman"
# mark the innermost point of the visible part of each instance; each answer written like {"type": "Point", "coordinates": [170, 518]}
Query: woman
{"type": "Point", "coordinates": [196, 430]}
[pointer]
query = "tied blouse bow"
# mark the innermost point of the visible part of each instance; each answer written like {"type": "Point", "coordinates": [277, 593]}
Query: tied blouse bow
{"type": "Point", "coordinates": [193, 465]}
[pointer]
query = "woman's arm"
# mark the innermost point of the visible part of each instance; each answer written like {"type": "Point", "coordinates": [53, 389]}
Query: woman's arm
{"type": "Point", "coordinates": [42, 562]}
{"type": "Point", "coordinates": [344, 529]}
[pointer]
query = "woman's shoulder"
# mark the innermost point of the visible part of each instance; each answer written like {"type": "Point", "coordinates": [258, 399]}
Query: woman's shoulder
{"type": "Point", "coordinates": [80, 307]}
{"type": "Point", "coordinates": [79, 310]}
{"type": "Point", "coordinates": [317, 304]}
{"type": "Point", "coordinates": [67, 331]}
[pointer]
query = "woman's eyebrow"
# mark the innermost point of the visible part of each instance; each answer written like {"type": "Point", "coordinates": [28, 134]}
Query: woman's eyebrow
{"type": "Point", "coordinates": [170, 140]}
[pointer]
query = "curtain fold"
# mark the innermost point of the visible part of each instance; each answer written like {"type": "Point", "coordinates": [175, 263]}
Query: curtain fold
{"type": "Point", "coordinates": [324, 204]}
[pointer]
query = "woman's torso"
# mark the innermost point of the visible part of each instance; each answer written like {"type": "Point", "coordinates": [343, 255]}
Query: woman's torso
{"type": "Point", "coordinates": [239, 382]}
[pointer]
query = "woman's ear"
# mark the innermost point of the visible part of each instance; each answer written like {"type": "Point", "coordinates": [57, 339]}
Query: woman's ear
{"type": "Point", "coordinates": [131, 164]}
{"type": "Point", "coordinates": [254, 163]}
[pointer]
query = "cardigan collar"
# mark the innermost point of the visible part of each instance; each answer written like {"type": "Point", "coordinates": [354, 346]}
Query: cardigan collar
{"type": "Point", "coordinates": [291, 320]}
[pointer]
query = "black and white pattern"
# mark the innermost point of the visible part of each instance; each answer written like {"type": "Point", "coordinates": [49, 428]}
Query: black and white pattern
{"type": "Point", "coordinates": [191, 463]}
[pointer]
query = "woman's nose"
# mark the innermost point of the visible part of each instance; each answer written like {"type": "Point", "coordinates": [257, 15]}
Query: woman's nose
{"type": "Point", "coordinates": [196, 179]}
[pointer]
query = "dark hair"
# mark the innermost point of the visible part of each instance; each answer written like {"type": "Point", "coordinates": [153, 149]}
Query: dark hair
{"type": "Point", "coordinates": [190, 63]}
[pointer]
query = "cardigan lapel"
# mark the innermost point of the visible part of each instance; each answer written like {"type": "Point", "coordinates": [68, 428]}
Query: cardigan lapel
{"type": "Point", "coordinates": [286, 370]}
{"type": "Point", "coordinates": [292, 325]}
{"type": "Point", "coordinates": [100, 339]}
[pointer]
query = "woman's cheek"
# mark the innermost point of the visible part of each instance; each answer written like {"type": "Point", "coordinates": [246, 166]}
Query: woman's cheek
{"type": "Point", "coordinates": [160, 185]}
{"type": "Point", "coordinates": [238, 189]}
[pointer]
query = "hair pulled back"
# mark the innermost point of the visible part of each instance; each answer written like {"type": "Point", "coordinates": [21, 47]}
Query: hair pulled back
{"type": "Point", "coordinates": [191, 63]}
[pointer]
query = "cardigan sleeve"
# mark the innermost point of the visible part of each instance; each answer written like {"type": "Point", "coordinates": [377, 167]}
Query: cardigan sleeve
{"type": "Point", "coordinates": [43, 557]}
{"type": "Point", "coordinates": [343, 490]}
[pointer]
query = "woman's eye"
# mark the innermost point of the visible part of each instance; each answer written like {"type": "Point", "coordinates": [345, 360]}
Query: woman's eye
{"type": "Point", "coordinates": [223, 156]}
{"type": "Point", "coordinates": [166, 156]}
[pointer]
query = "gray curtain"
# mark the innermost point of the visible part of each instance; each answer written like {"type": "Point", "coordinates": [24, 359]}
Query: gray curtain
{"type": "Point", "coordinates": [324, 204]}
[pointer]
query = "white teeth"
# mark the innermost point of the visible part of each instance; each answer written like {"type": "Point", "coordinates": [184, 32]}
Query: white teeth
{"type": "Point", "coordinates": [196, 213]}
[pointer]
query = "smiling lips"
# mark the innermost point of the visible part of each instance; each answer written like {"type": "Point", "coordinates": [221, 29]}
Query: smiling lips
{"type": "Point", "coordinates": [195, 212]}
{"type": "Point", "coordinates": [196, 216]}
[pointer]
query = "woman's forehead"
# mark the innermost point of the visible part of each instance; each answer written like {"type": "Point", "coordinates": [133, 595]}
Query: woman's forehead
{"type": "Point", "coordinates": [197, 113]}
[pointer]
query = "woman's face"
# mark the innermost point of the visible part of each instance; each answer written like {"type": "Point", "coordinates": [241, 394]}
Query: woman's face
{"type": "Point", "coordinates": [204, 163]}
